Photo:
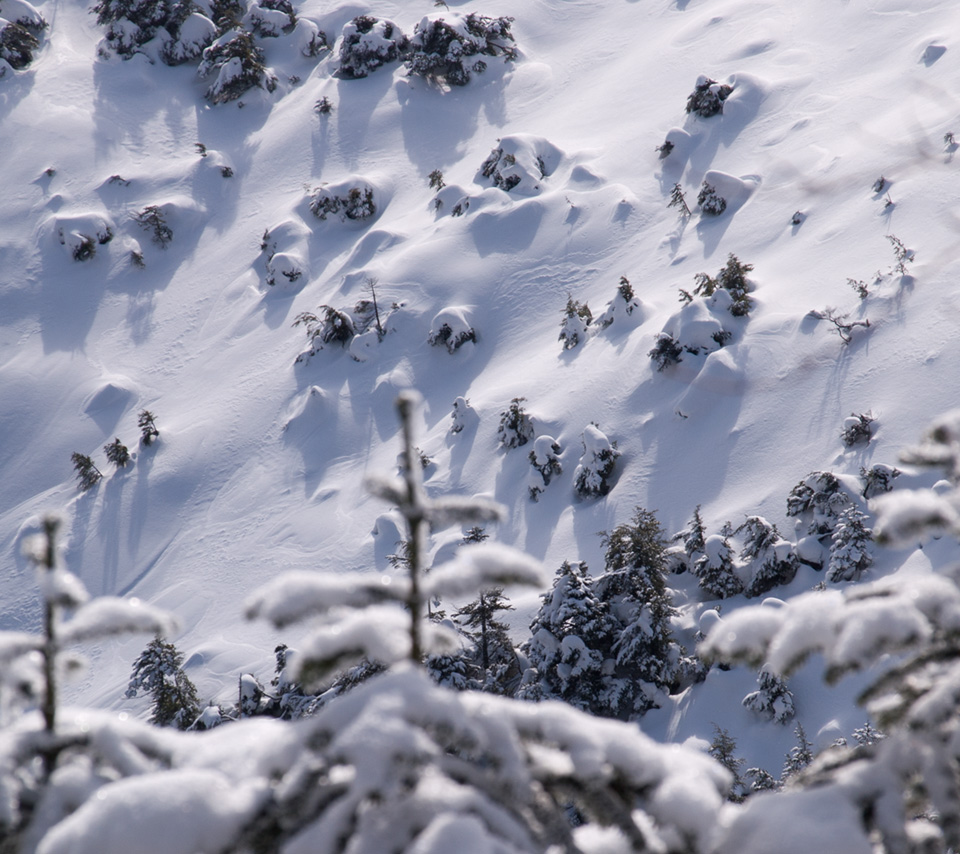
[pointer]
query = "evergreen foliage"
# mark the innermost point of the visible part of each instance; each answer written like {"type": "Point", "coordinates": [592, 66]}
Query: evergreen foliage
{"type": "Point", "coordinates": [88, 475]}
{"type": "Point", "coordinates": [357, 204]}
{"type": "Point", "coordinates": [442, 52]}
{"type": "Point", "coordinates": [679, 201]}
{"type": "Point", "coordinates": [857, 429]}
{"type": "Point", "coordinates": [707, 97]}
{"type": "Point", "coordinates": [495, 665]}
{"type": "Point", "coordinates": [710, 201]}
{"type": "Point", "coordinates": [593, 474]}
{"type": "Point", "coordinates": [17, 44]}
{"type": "Point", "coordinates": [117, 453]}
{"type": "Point", "coordinates": [715, 569]}
{"type": "Point", "coordinates": [152, 220]}
{"type": "Point", "coordinates": [877, 480]}
{"type": "Point", "coordinates": [772, 700]}
{"type": "Point", "coordinates": [850, 546]}
{"type": "Point", "coordinates": [573, 327]}
{"type": "Point", "coordinates": [771, 558]}
{"type": "Point", "coordinates": [822, 497]}
{"type": "Point", "coordinates": [723, 748]}
{"type": "Point", "coordinates": [799, 756]}
{"type": "Point", "coordinates": [667, 351]}
{"type": "Point", "coordinates": [733, 279]}
{"type": "Point", "coordinates": [147, 423]}
{"type": "Point", "coordinates": [516, 427]}
{"type": "Point", "coordinates": [239, 65]}
{"type": "Point", "coordinates": [369, 43]}
{"type": "Point", "coordinates": [545, 459]}
{"type": "Point", "coordinates": [158, 671]}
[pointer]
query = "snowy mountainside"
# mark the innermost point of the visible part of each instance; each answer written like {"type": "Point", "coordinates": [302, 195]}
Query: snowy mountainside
{"type": "Point", "coordinates": [261, 459]}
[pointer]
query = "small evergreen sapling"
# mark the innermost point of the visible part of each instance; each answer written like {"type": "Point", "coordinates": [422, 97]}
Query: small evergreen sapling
{"type": "Point", "coordinates": [723, 748]}
{"type": "Point", "coordinates": [858, 428]}
{"type": "Point", "coordinates": [545, 459]}
{"type": "Point", "coordinates": [771, 557]}
{"type": "Point", "coordinates": [772, 700]}
{"type": "Point", "coordinates": [715, 570]}
{"type": "Point", "coordinates": [707, 97]}
{"type": "Point", "coordinates": [593, 474]}
{"type": "Point", "coordinates": [369, 43]}
{"type": "Point", "coordinates": [877, 480]}
{"type": "Point", "coordinates": [436, 180]}
{"type": "Point", "coordinates": [710, 201]}
{"type": "Point", "coordinates": [158, 671]}
{"type": "Point", "coordinates": [147, 423]}
{"type": "Point", "coordinates": [679, 201]}
{"type": "Point", "coordinates": [117, 453]}
{"type": "Point", "coordinates": [850, 547]}
{"type": "Point", "coordinates": [88, 475]}
{"type": "Point", "coordinates": [516, 427]}
{"type": "Point", "coordinates": [440, 51]}
{"type": "Point", "coordinates": [152, 220]}
{"type": "Point", "coordinates": [624, 303]}
{"type": "Point", "coordinates": [667, 351]}
{"type": "Point", "coordinates": [573, 327]}
{"type": "Point", "coordinates": [799, 756]}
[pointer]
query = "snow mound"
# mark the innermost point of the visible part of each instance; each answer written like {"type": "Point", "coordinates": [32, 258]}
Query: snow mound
{"type": "Point", "coordinates": [453, 328]}
{"type": "Point", "coordinates": [80, 234]}
{"type": "Point", "coordinates": [353, 199]}
{"type": "Point", "coordinates": [520, 163]}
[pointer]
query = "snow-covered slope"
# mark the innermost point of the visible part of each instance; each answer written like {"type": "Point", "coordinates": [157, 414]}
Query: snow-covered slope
{"type": "Point", "coordinates": [260, 462]}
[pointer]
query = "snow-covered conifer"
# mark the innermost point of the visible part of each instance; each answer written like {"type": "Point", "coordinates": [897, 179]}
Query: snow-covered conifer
{"type": "Point", "coordinates": [545, 460]}
{"type": "Point", "coordinates": [710, 201]}
{"type": "Point", "coordinates": [158, 671]}
{"type": "Point", "coordinates": [441, 49]}
{"type": "Point", "coordinates": [858, 428]}
{"type": "Point", "coordinates": [239, 65]}
{"type": "Point", "coordinates": [516, 427]}
{"type": "Point", "coordinates": [799, 756]}
{"type": "Point", "coordinates": [850, 553]}
{"type": "Point", "coordinates": [595, 470]}
{"type": "Point", "coordinates": [117, 453]}
{"type": "Point", "coordinates": [772, 700]}
{"type": "Point", "coordinates": [88, 475]}
{"type": "Point", "coordinates": [147, 422]}
{"type": "Point", "coordinates": [573, 326]}
{"type": "Point", "coordinates": [723, 748]}
{"type": "Point", "coordinates": [17, 44]}
{"type": "Point", "coordinates": [495, 660]}
{"type": "Point", "coordinates": [368, 43]}
{"type": "Point", "coordinates": [667, 351]}
{"type": "Point", "coordinates": [715, 569]}
{"type": "Point", "coordinates": [822, 497]}
{"type": "Point", "coordinates": [772, 559]}
{"type": "Point", "coordinates": [625, 303]}
{"type": "Point", "coordinates": [462, 415]}
{"type": "Point", "coordinates": [707, 97]}
{"type": "Point", "coordinates": [877, 479]}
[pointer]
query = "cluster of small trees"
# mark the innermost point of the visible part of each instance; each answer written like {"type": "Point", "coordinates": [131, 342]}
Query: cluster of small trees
{"type": "Point", "coordinates": [88, 475]}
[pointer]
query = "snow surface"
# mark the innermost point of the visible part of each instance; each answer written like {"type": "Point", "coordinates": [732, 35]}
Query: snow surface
{"type": "Point", "coordinates": [260, 463]}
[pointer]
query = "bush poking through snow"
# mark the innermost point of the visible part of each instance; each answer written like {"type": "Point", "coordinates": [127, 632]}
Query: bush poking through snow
{"type": "Point", "coordinates": [667, 351]}
{"type": "Point", "coordinates": [595, 470]}
{"type": "Point", "coordinates": [545, 459]}
{"type": "Point", "coordinates": [733, 279]}
{"type": "Point", "coordinates": [436, 180]}
{"type": "Point", "coordinates": [239, 66]}
{"type": "Point", "coordinates": [710, 201]}
{"type": "Point", "coordinates": [573, 327]}
{"type": "Point", "coordinates": [17, 44]}
{"type": "Point", "coordinates": [707, 97]}
{"type": "Point", "coordinates": [367, 44]}
{"type": "Point", "coordinates": [462, 415]}
{"type": "Point", "coordinates": [843, 326]}
{"type": "Point", "coordinates": [714, 569]}
{"type": "Point", "coordinates": [329, 326]}
{"type": "Point", "coordinates": [857, 429]}
{"type": "Point", "coordinates": [152, 220]}
{"type": "Point", "coordinates": [877, 480]}
{"type": "Point", "coordinates": [515, 428]}
{"type": "Point", "coordinates": [441, 50]}
{"type": "Point", "coordinates": [353, 203]}
{"type": "Point", "coordinates": [772, 559]}
{"type": "Point", "coordinates": [117, 453]}
{"type": "Point", "coordinates": [146, 421]}
{"type": "Point", "coordinates": [270, 18]}
{"type": "Point", "coordinates": [623, 304]}
{"type": "Point", "coordinates": [88, 475]}
{"type": "Point", "coordinates": [679, 201]}
{"type": "Point", "coordinates": [180, 29]}
{"type": "Point", "coordinates": [451, 329]}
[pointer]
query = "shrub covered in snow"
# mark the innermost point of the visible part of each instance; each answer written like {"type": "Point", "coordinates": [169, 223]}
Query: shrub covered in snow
{"type": "Point", "coordinates": [153, 220]}
{"type": "Point", "coordinates": [520, 163]}
{"type": "Point", "coordinates": [715, 569]}
{"type": "Point", "coordinates": [443, 49]}
{"type": "Point", "coordinates": [625, 303]}
{"type": "Point", "coordinates": [349, 201]}
{"type": "Point", "coordinates": [516, 427]}
{"type": "Point", "coordinates": [707, 97]}
{"type": "Point", "coordinates": [858, 428]}
{"type": "Point", "coordinates": [545, 459]}
{"type": "Point", "coordinates": [710, 201]}
{"type": "Point", "coordinates": [877, 480]}
{"type": "Point", "coordinates": [23, 14]}
{"type": "Point", "coordinates": [158, 671]}
{"type": "Point", "coordinates": [238, 64]}
{"type": "Point", "coordinates": [850, 546]}
{"type": "Point", "coordinates": [593, 474]}
{"type": "Point", "coordinates": [181, 30]}
{"type": "Point", "coordinates": [269, 18]}
{"type": "Point", "coordinates": [772, 559]}
{"type": "Point", "coordinates": [17, 44]}
{"type": "Point", "coordinates": [462, 415]}
{"type": "Point", "coordinates": [368, 43]}
{"type": "Point", "coordinates": [451, 329]}
{"type": "Point", "coordinates": [573, 326]}
{"type": "Point", "coordinates": [821, 496]}
{"type": "Point", "coordinates": [81, 234]}
{"type": "Point", "coordinates": [772, 700]}
{"type": "Point", "coordinates": [732, 279]}
{"type": "Point", "coordinates": [667, 351]}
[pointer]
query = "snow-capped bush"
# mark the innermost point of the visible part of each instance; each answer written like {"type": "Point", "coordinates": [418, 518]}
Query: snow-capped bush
{"type": "Point", "coordinates": [850, 546]}
{"type": "Point", "coordinates": [284, 267]}
{"type": "Point", "coordinates": [520, 163]}
{"type": "Point", "coordinates": [545, 459]}
{"type": "Point", "coordinates": [17, 44]}
{"type": "Point", "coordinates": [714, 569]}
{"type": "Point", "coordinates": [181, 30]}
{"type": "Point", "coordinates": [707, 97]}
{"type": "Point", "coordinates": [442, 49]}
{"type": "Point", "coordinates": [666, 351]}
{"type": "Point", "coordinates": [269, 18]}
{"type": "Point", "coordinates": [353, 201]}
{"type": "Point", "coordinates": [696, 328]}
{"type": "Point", "coordinates": [772, 700]}
{"type": "Point", "coordinates": [23, 14]}
{"type": "Point", "coordinates": [710, 201]}
{"type": "Point", "coordinates": [462, 416]}
{"type": "Point", "coordinates": [515, 428]}
{"type": "Point", "coordinates": [625, 304]}
{"type": "Point", "coordinates": [152, 219]}
{"type": "Point", "coordinates": [877, 480]}
{"type": "Point", "coordinates": [239, 66]}
{"type": "Point", "coordinates": [573, 326]}
{"type": "Point", "coordinates": [368, 43]}
{"type": "Point", "coordinates": [451, 328]}
{"type": "Point", "coordinates": [81, 234]}
{"type": "Point", "coordinates": [732, 279]}
{"type": "Point", "coordinates": [771, 558]}
{"type": "Point", "coordinates": [308, 38]}
{"type": "Point", "coordinates": [822, 497]}
{"type": "Point", "coordinates": [592, 475]}
{"type": "Point", "coordinates": [858, 428]}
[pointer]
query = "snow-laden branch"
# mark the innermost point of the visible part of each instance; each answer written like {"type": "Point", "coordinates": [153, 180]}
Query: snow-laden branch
{"type": "Point", "coordinates": [480, 567]}
{"type": "Point", "coordinates": [296, 595]}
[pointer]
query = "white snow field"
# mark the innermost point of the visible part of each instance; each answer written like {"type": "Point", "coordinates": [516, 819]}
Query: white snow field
{"type": "Point", "coordinates": [260, 464]}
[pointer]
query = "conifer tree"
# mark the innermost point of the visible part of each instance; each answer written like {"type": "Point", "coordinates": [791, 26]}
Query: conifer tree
{"type": "Point", "coordinates": [88, 475]}
{"type": "Point", "coordinates": [849, 549]}
{"type": "Point", "coordinates": [117, 453]}
{"type": "Point", "coordinates": [771, 557]}
{"type": "Point", "coordinates": [715, 570]}
{"type": "Point", "coordinates": [723, 748]}
{"type": "Point", "coordinates": [576, 318]}
{"type": "Point", "coordinates": [799, 756]}
{"type": "Point", "coordinates": [497, 665]}
{"type": "Point", "coordinates": [146, 421]}
{"type": "Point", "coordinates": [158, 671]}
{"type": "Point", "coordinates": [772, 700]}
